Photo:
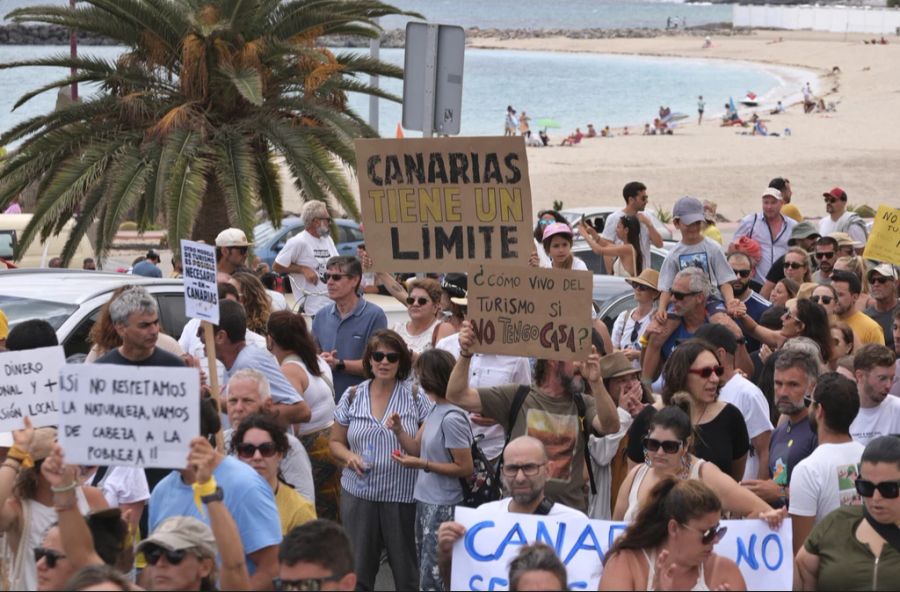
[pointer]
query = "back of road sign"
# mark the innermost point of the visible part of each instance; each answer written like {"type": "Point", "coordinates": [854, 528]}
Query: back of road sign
{"type": "Point", "coordinates": [433, 76]}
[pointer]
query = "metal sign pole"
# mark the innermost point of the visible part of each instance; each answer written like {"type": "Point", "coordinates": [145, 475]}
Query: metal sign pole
{"type": "Point", "coordinates": [431, 49]}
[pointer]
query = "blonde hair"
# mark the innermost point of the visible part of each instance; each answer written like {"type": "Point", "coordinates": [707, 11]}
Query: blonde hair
{"type": "Point", "coordinates": [857, 266]}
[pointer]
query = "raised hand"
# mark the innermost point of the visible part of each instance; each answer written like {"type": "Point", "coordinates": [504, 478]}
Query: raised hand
{"type": "Point", "coordinates": [466, 337]}
{"type": "Point", "coordinates": [25, 437]}
{"type": "Point", "coordinates": [55, 470]}
{"type": "Point", "coordinates": [202, 458]}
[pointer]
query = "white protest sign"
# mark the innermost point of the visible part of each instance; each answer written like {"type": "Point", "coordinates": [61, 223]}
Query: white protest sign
{"type": "Point", "coordinates": [29, 386]}
{"type": "Point", "coordinates": [481, 558]}
{"type": "Point", "coordinates": [201, 295]}
{"type": "Point", "coordinates": [138, 416]}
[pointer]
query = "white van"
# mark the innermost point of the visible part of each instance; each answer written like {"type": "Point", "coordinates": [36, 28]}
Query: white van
{"type": "Point", "coordinates": [38, 254]}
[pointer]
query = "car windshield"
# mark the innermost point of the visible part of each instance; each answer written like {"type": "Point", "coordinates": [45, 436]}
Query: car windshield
{"type": "Point", "coordinates": [18, 310]}
{"type": "Point", "coordinates": [262, 232]}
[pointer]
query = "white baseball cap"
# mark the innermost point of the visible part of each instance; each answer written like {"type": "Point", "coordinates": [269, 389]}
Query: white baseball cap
{"type": "Point", "coordinates": [232, 237]}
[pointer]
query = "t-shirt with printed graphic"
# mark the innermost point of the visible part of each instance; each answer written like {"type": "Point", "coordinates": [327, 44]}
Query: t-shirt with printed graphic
{"type": "Point", "coordinates": [313, 252]}
{"type": "Point", "coordinates": [553, 421]}
{"type": "Point", "coordinates": [824, 481]}
{"type": "Point", "coordinates": [705, 255]}
{"type": "Point", "coordinates": [790, 443]}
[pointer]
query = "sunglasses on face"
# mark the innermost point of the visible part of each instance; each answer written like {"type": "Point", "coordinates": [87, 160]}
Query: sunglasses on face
{"type": "Point", "coordinates": [242, 250]}
{"type": "Point", "coordinates": [247, 450]}
{"type": "Point", "coordinates": [306, 584]}
{"type": "Point", "coordinates": [824, 255]}
{"type": "Point", "coordinates": [744, 273]}
{"type": "Point", "coordinates": [708, 371]}
{"type": "Point", "coordinates": [392, 357]}
{"type": "Point", "coordinates": [421, 301]}
{"type": "Point", "coordinates": [51, 556]}
{"type": "Point", "coordinates": [642, 288]}
{"type": "Point", "coordinates": [793, 265]}
{"type": "Point", "coordinates": [153, 553]}
{"type": "Point", "coordinates": [668, 446]}
{"type": "Point", "coordinates": [830, 200]}
{"type": "Point", "coordinates": [822, 299]}
{"type": "Point", "coordinates": [712, 535]}
{"type": "Point", "coordinates": [887, 489]}
{"type": "Point", "coordinates": [334, 276]}
{"type": "Point", "coordinates": [546, 222]}
{"type": "Point", "coordinates": [682, 295]}
{"type": "Point", "coordinates": [880, 280]}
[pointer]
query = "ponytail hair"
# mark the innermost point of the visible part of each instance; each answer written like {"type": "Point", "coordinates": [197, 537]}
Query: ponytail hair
{"type": "Point", "coordinates": [670, 499]}
{"type": "Point", "coordinates": [289, 331]}
{"type": "Point", "coordinates": [676, 417]}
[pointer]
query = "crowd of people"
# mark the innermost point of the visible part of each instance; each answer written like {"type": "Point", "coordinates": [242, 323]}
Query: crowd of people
{"type": "Point", "coordinates": [754, 381]}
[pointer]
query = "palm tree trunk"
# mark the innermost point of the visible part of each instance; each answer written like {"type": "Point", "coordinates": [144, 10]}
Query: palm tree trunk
{"type": "Point", "coordinates": [212, 217]}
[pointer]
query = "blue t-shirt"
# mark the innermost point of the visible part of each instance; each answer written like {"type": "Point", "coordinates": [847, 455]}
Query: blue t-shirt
{"type": "Point", "coordinates": [348, 336]}
{"type": "Point", "coordinates": [756, 306]}
{"type": "Point", "coordinates": [255, 357]}
{"type": "Point", "coordinates": [247, 496]}
{"type": "Point", "coordinates": [447, 426]}
{"type": "Point", "coordinates": [146, 269]}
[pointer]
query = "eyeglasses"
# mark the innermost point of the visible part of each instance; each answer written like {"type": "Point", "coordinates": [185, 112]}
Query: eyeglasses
{"type": "Point", "coordinates": [887, 489]}
{"type": "Point", "coordinates": [744, 273]}
{"type": "Point", "coordinates": [421, 301]}
{"type": "Point", "coordinates": [822, 299]}
{"type": "Point", "coordinates": [708, 371]}
{"type": "Point", "coordinates": [830, 200]}
{"type": "Point", "coordinates": [793, 265]}
{"type": "Point", "coordinates": [642, 288]}
{"type": "Point", "coordinates": [824, 255]}
{"type": "Point", "coordinates": [392, 357]}
{"type": "Point", "coordinates": [247, 450]}
{"type": "Point", "coordinates": [712, 535]}
{"type": "Point", "coordinates": [880, 280]}
{"type": "Point", "coordinates": [668, 446]}
{"type": "Point", "coordinates": [153, 553]}
{"type": "Point", "coordinates": [789, 315]}
{"type": "Point", "coordinates": [635, 330]}
{"type": "Point", "coordinates": [334, 276]}
{"type": "Point", "coordinates": [51, 556]}
{"type": "Point", "coordinates": [307, 584]}
{"type": "Point", "coordinates": [530, 469]}
{"type": "Point", "coordinates": [242, 250]}
{"type": "Point", "coordinates": [682, 295]}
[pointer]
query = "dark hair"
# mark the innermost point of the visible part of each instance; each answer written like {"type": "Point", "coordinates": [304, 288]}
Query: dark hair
{"type": "Point", "coordinates": [771, 317]}
{"type": "Point", "coordinates": [815, 326]}
{"type": "Point", "coordinates": [675, 372]}
{"type": "Point", "coordinates": [883, 449]}
{"type": "Point", "coordinates": [210, 423]}
{"type": "Point", "coordinates": [347, 264]}
{"type": "Point", "coordinates": [264, 422]}
{"type": "Point", "coordinates": [539, 230]}
{"type": "Point", "coordinates": [837, 395]}
{"type": "Point", "coordinates": [109, 532]}
{"type": "Point", "coordinates": [633, 229]}
{"type": "Point", "coordinates": [676, 417]}
{"type": "Point", "coordinates": [392, 340]}
{"type": "Point", "coordinates": [269, 280]}
{"type": "Point", "coordinates": [226, 290]}
{"type": "Point", "coordinates": [290, 332]}
{"type": "Point", "coordinates": [779, 183]}
{"type": "Point", "coordinates": [846, 333]}
{"type": "Point", "coordinates": [433, 367]}
{"type": "Point", "coordinates": [320, 542]}
{"type": "Point", "coordinates": [232, 320]}
{"type": "Point", "coordinates": [31, 334]}
{"type": "Point", "coordinates": [850, 278]}
{"type": "Point", "coordinates": [94, 575]}
{"type": "Point", "coordinates": [873, 355]}
{"type": "Point", "coordinates": [718, 336]}
{"type": "Point", "coordinates": [632, 189]}
{"type": "Point", "coordinates": [828, 241]}
{"type": "Point", "coordinates": [537, 557]}
{"type": "Point", "coordinates": [670, 499]}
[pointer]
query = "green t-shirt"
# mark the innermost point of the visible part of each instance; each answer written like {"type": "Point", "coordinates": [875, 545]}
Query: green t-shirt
{"type": "Point", "coordinates": [844, 562]}
{"type": "Point", "coordinates": [553, 421]}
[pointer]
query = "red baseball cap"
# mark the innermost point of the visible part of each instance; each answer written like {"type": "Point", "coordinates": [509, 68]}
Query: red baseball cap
{"type": "Point", "coordinates": [836, 193]}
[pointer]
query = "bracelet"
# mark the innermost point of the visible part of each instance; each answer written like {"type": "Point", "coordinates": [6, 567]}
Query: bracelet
{"type": "Point", "coordinates": [466, 356]}
{"type": "Point", "coordinates": [12, 464]}
{"type": "Point", "coordinates": [64, 488]}
{"type": "Point", "coordinates": [202, 490]}
{"type": "Point", "coordinates": [24, 457]}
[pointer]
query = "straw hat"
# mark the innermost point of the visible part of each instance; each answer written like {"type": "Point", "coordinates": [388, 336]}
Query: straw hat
{"type": "Point", "coordinates": [648, 277]}
{"type": "Point", "coordinates": [616, 364]}
{"type": "Point", "coordinates": [844, 240]}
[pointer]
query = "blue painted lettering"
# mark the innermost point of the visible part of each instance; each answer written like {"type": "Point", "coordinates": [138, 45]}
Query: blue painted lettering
{"type": "Point", "coordinates": [587, 533]}
{"type": "Point", "coordinates": [776, 540]}
{"type": "Point", "coordinates": [543, 535]}
{"type": "Point", "coordinates": [470, 541]}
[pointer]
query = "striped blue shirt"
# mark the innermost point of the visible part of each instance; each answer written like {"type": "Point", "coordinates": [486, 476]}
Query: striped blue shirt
{"type": "Point", "coordinates": [386, 480]}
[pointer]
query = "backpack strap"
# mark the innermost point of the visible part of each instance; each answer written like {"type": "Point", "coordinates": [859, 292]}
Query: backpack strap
{"type": "Point", "coordinates": [99, 475]}
{"type": "Point", "coordinates": [582, 412]}
{"type": "Point", "coordinates": [514, 409]}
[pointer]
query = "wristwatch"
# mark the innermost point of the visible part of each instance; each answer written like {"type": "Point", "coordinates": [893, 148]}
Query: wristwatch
{"type": "Point", "coordinates": [218, 496]}
{"type": "Point", "coordinates": [340, 366]}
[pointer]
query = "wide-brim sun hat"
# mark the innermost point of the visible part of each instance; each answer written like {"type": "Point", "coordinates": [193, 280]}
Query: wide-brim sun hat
{"type": "Point", "coordinates": [648, 277]}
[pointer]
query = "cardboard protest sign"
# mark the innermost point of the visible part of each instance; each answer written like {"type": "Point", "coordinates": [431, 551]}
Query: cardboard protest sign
{"type": "Point", "coordinates": [201, 294]}
{"type": "Point", "coordinates": [29, 387]}
{"type": "Point", "coordinates": [137, 416]}
{"type": "Point", "coordinates": [493, 539]}
{"type": "Point", "coordinates": [434, 204]}
{"type": "Point", "coordinates": [884, 242]}
{"type": "Point", "coordinates": [530, 311]}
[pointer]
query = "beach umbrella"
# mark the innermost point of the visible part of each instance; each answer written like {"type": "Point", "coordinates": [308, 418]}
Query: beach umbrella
{"type": "Point", "coordinates": [546, 122]}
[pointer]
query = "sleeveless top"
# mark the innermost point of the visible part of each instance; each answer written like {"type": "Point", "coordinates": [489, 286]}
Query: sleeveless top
{"type": "Point", "coordinates": [633, 508]}
{"type": "Point", "coordinates": [619, 269]}
{"type": "Point", "coordinates": [36, 520]}
{"type": "Point", "coordinates": [651, 572]}
{"type": "Point", "coordinates": [417, 343]}
{"type": "Point", "coordinates": [319, 395]}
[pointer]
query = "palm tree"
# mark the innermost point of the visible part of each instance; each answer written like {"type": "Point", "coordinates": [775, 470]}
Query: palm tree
{"type": "Point", "coordinates": [188, 122]}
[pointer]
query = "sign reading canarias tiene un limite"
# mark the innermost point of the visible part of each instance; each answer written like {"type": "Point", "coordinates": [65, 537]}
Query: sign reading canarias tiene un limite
{"type": "Point", "coordinates": [435, 204]}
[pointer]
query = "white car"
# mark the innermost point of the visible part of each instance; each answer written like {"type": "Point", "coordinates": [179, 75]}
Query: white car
{"type": "Point", "coordinates": [597, 217]}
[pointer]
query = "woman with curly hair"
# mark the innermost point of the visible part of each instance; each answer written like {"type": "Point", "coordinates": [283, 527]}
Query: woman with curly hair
{"type": "Point", "coordinates": [256, 301]}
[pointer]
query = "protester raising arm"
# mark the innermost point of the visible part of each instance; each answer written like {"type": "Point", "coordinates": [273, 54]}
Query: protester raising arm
{"type": "Point", "coordinates": [458, 391]}
{"type": "Point", "coordinates": [18, 455]}
{"type": "Point", "coordinates": [607, 419]}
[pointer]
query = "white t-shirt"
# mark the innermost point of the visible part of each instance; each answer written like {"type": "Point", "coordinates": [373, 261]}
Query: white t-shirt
{"type": "Point", "coordinates": [823, 481]}
{"type": "Point", "coordinates": [856, 231]}
{"type": "Point", "coordinates": [319, 395]}
{"type": "Point", "coordinates": [313, 252]}
{"type": "Point", "coordinates": [502, 507]}
{"type": "Point", "coordinates": [417, 343]}
{"type": "Point", "coordinates": [192, 344]}
{"type": "Point", "coordinates": [278, 301]}
{"type": "Point", "coordinates": [752, 404]}
{"type": "Point", "coordinates": [123, 485]}
{"type": "Point", "coordinates": [623, 329]}
{"type": "Point", "coordinates": [873, 422]}
{"type": "Point", "coordinates": [602, 450]}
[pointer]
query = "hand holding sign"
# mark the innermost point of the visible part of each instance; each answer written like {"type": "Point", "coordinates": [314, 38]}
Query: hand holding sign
{"type": "Point", "coordinates": [24, 437]}
{"type": "Point", "coordinates": [56, 471]}
{"type": "Point", "coordinates": [202, 459]}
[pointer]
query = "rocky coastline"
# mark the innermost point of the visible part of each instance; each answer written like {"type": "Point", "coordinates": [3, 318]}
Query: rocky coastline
{"type": "Point", "coordinates": [16, 34]}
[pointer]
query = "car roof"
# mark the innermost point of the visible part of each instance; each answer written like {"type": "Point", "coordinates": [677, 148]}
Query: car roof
{"type": "Point", "coordinates": [71, 286]}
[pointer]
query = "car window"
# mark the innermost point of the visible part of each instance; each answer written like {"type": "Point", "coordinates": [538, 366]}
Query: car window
{"type": "Point", "coordinates": [78, 342]}
{"type": "Point", "coordinates": [172, 317]}
{"type": "Point", "coordinates": [351, 234]}
{"type": "Point", "coordinates": [291, 233]}
{"type": "Point", "coordinates": [7, 243]}
{"type": "Point", "coordinates": [617, 305]}
{"type": "Point", "coordinates": [656, 260]}
{"type": "Point", "coordinates": [593, 261]}
{"type": "Point", "coordinates": [262, 232]}
{"type": "Point", "coordinates": [23, 309]}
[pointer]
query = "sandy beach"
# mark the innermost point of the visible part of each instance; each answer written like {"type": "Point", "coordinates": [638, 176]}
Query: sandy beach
{"type": "Point", "coordinates": [857, 147]}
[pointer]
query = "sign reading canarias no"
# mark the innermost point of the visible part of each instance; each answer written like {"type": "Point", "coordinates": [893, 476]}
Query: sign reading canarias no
{"type": "Point", "coordinates": [435, 204]}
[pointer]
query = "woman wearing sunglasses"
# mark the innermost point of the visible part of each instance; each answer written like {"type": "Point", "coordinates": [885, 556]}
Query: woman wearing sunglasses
{"type": "Point", "coordinates": [422, 305]}
{"type": "Point", "coordinates": [783, 291]}
{"type": "Point", "coordinates": [858, 547]}
{"type": "Point", "coordinates": [372, 420]}
{"type": "Point", "coordinates": [796, 265]}
{"type": "Point", "coordinates": [667, 454]}
{"type": "Point", "coordinates": [631, 324]}
{"type": "Point", "coordinates": [670, 544]}
{"type": "Point", "coordinates": [825, 296]}
{"type": "Point", "coordinates": [259, 442]}
{"type": "Point", "coordinates": [804, 318]}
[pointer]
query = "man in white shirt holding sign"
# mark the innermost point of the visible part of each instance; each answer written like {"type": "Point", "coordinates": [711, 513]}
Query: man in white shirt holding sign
{"type": "Point", "coordinates": [305, 255]}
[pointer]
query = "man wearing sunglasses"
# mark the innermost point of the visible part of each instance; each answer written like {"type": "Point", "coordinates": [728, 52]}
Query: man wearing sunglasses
{"type": "Point", "coordinates": [304, 256]}
{"type": "Point", "coordinates": [883, 288]}
{"type": "Point", "coordinates": [826, 254]}
{"type": "Point", "coordinates": [232, 247]}
{"type": "Point", "coordinates": [840, 219]}
{"type": "Point", "coordinates": [879, 413]}
{"type": "Point", "coordinates": [315, 556]}
{"type": "Point", "coordinates": [823, 481]}
{"type": "Point", "coordinates": [743, 269]}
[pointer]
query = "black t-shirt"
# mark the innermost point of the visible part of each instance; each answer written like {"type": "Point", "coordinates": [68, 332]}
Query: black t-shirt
{"type": "Point", "coordinates": [776, 273]}
{"type": "Point", "coordinates": [720, 441]}
{"type": "Point", "coordinates": [160, 357]}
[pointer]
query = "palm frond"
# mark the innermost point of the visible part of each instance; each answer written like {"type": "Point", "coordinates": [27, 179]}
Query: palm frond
{"type": "Point", "coordinates": [237, 178]}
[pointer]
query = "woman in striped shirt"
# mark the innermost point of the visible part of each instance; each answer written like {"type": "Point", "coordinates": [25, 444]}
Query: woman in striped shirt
{"type": "Point", "coordinates": [372, 420]}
